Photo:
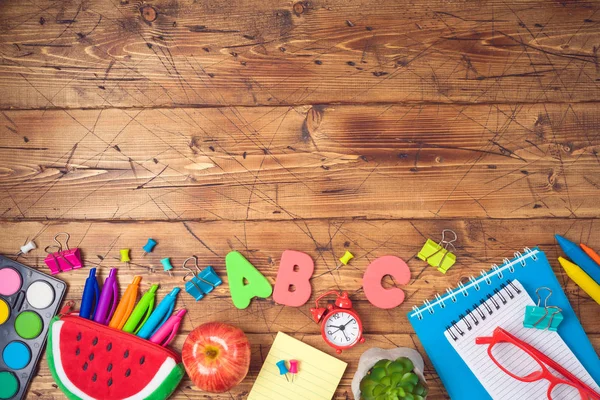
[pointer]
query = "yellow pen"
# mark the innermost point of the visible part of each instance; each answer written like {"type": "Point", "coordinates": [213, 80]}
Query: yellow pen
{"type": "Point", "coordinates": [582, 279]}
{"type": "Point", "coordinates": [141, 312]}
{"type": "Point", "coordinates": [126, 304]}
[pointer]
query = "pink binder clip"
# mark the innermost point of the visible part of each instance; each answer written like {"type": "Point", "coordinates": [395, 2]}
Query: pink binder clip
{"type": "Point", "coordinates": [61, 260]}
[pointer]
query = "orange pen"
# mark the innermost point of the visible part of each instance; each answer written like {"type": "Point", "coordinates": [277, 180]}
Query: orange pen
{"type": "Point", "coordinates": [590, 252]}
{"type": "Point", "coordinates": [126, 304]}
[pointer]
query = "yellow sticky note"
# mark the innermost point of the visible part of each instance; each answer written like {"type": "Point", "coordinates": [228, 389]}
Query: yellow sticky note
{"type": "Point", "coordinates": [318, 377]}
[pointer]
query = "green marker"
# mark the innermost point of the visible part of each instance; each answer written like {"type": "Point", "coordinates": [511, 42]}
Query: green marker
{"type": "Point", "coordinates": [142, 311]}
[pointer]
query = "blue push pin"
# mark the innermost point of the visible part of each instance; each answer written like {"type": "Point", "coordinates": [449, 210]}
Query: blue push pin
{"type": "Point", "coordinates": [148, 247]}
{"type": "Point", "coordinates": [167, 267]}
{"type": "Point", "coordinates": [282, 369]}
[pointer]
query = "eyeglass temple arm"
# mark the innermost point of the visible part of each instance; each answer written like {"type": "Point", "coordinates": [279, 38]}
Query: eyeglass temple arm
{"type": "Point", "coordinates": [500, 335]}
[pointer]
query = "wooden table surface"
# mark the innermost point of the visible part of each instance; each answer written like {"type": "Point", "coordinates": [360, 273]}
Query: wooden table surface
{"type": "Point", "coordinates": [319, 126]}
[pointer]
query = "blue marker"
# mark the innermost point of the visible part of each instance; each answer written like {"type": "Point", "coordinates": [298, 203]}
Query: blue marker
{"type": "Point", "coordinates": [91, 293]}
{"type": "Point", "coordinates": [159, 316]}
{"type": "Point", "coordinates": [579, 257]}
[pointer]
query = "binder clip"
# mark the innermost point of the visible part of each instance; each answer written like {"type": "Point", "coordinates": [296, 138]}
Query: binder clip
{"type": "Point", "coordinates": [202, 282]}
{"type": "Point", "coordinates": [61, 260]}
{"type": "Point", "coordinates": [437, 254]}
{"type": "Point", "coordinates": [547, 317]}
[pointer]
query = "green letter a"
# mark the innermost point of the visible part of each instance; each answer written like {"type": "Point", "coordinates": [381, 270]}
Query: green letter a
{"type": "Point", "coordinates": [238, 269]}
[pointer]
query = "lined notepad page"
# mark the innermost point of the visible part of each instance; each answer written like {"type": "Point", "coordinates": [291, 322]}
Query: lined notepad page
{"type": "Point", "coordinates": [318, 377]}
{"type": "Point", "coordinates": [510, 316]}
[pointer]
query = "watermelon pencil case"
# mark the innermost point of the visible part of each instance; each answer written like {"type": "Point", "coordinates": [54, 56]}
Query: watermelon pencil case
{"type": "Point", "coordinates": [89, 360]}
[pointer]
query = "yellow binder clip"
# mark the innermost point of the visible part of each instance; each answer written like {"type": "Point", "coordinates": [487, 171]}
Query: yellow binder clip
{"type": "Point", "coordinates": [437, 254]}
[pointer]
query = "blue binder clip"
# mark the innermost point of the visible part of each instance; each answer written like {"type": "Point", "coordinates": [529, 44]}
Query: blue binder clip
{"type": "Point", "coordinates": [547, 317]}
{"type": "Point", "coordinates": [202, 281]}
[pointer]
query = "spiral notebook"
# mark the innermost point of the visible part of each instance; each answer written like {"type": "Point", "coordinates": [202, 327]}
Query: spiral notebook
{"type": "Point", "coordinates": [505, 308]}
{"type": "Point", "coordinates": [431, 321]}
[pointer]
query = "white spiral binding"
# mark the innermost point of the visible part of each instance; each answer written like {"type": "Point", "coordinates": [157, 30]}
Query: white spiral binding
{"type": "Point", "coordinates": [496, 271]}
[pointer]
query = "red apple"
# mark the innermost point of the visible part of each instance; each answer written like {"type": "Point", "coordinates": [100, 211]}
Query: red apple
{"type": "Point", "coordinates": [216, 356]}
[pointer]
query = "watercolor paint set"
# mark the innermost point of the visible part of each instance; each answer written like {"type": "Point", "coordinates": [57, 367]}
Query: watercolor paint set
{"type": "Point", "coordinates": [28, 301]}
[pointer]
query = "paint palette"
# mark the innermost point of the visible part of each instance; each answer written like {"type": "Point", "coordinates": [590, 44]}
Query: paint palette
{"type": "Point", "coordinates": [28, 301]}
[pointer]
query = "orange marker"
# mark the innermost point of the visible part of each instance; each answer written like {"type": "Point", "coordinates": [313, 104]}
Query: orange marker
{"type": "Point", "coordinates": [126, 304]}
{"type": "Point", "coordinates": [590, 252]}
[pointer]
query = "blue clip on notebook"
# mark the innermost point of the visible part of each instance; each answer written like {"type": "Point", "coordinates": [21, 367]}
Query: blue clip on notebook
{"type": "Point", "coordinates": [430, 321]}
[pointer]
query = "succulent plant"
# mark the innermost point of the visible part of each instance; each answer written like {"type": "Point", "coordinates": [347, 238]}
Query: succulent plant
{"type": "Point", "coordinates": [392, 380]}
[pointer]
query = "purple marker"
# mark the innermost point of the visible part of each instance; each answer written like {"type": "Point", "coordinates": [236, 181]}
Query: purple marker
{"type": "Point", "coordinates": [108, 296]}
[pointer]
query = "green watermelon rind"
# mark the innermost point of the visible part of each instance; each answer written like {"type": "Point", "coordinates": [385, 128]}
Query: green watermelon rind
{"type": "Point", "coordinates": [162, 392]}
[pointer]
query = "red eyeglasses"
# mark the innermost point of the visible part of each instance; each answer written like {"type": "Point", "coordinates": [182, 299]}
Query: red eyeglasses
{"type": "Point", "coordinates": [533, 366]}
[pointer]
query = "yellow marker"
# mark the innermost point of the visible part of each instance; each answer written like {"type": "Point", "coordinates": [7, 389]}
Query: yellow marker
{"type": "Point", "coordinates": [582, 279]}
{"type": "Point", "coordinates": [126, 304]}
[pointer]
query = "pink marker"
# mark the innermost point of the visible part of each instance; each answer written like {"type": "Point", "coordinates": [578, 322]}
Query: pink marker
{"type": "Point", "coordinates": [293, 368]}
{"type": "Point", "coordinates": [168, 330]}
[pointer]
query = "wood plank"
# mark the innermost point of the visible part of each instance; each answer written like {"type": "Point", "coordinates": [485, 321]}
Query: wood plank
{"type": "Point", "coordinates": [44, 388]}
{"type": "Point", "coordinates": [164, 53]}
{"type": "Point", "coordinates": [257, 163]}
{"type": "Point", "coordinates": [481, 243]}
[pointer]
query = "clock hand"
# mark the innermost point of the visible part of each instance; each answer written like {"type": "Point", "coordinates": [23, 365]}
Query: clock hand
{"type": "Point", "coordinates": [347, 338]}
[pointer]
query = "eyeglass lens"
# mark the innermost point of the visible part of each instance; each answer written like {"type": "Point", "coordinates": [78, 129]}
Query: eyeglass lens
{"type": "Point", "coordinates": [515, 360]}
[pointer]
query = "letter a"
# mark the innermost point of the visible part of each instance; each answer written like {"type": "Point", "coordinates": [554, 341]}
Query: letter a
{"type": "Point", "coordinates": [286, 277]}
{"type": "Point", "coordinates": [238, 269]}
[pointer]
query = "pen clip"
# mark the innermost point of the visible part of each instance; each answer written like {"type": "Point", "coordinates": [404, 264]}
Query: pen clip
{"type": "Point", "coordinates": [96, 297]}
{"type": "Point", "coordinates": [172, 334]}
{"type": "Point", "coordinates": [114, 302]}
{"type": "Point", "coordinates": [148, 312]}
{"type": "Point", "coordinates": [165, 318]}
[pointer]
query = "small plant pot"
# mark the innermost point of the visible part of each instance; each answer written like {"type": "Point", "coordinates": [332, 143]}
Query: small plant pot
{"type": "Point", "coordinates": [370, 357]}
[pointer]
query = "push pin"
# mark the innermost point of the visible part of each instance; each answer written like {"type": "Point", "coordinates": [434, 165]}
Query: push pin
{"type": "Point", "coordinates": [293, 368]}
{"type": "Point", "coordinates": [27, 248]}
{"type": "Point", "coordinates": [344, 260]}
{"type": "Point", "coordinates": [282, 369]}
{"type": "Point", "coordinates": [149, 246]}
{"type": "Point", "coordinates": [125, 256]}
{"type": "Point", "coordinates": [167, 267]}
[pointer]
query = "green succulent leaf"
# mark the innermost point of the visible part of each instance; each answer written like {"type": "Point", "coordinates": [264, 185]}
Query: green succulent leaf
{"type": "Point", "coordinates": [392, 380]}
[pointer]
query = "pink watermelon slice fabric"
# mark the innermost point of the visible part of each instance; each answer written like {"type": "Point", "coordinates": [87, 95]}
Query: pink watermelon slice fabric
{"type": "Point", "coordinates": [90, 361]}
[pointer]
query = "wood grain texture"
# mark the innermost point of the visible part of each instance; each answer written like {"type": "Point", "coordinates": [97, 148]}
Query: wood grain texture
{"type": "Point", "coordinates": [109, 53]}
{"type": "Point", "coordinates": [481, 243]}
{"type": "Point", "coordinates": [318, 125]}
{"type": "Point", "coordinates": [257, 163]}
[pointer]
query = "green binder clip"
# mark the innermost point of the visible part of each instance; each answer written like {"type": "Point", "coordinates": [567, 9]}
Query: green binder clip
{"type": "Point", "coordinates": [437, 254]}
{"type": "Point", "coordinates": [547, 317]}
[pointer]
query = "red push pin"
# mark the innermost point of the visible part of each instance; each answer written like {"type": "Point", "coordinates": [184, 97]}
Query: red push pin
{"type": "Point", "coordinates": [293, 368]}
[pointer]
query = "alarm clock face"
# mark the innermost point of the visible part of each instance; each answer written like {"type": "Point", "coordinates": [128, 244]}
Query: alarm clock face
{"type": "Point", "coordinates": [342, 329]}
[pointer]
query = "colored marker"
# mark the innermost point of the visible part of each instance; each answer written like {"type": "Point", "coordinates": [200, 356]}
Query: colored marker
{"type": "Point", "coordinates": [160, 315]}
{"type": "Point", "coordinates": [579, 257]}
{"type": "Point", "coordinates": [126, 304]}
{"type": "Point", "coordinates": [167, 332]}
{"type": "Point", "coordinates": [590, 252]}
{"type": "Point", "coordinates": [141, 312]}
{"type": "Point", "coordinates": [582, 279]}
{"type": "Point", "coordinates": [91, 294]}
{"type": "Point", "coordinates": [108, 298]}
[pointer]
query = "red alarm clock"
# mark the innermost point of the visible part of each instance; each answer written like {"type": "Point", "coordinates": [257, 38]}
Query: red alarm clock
{"type": "Point", "coordinates": [340, 324]}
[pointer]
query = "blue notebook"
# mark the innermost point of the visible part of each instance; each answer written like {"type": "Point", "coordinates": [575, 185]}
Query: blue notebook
{"type": "Point", "coordinates": [430, 321]}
